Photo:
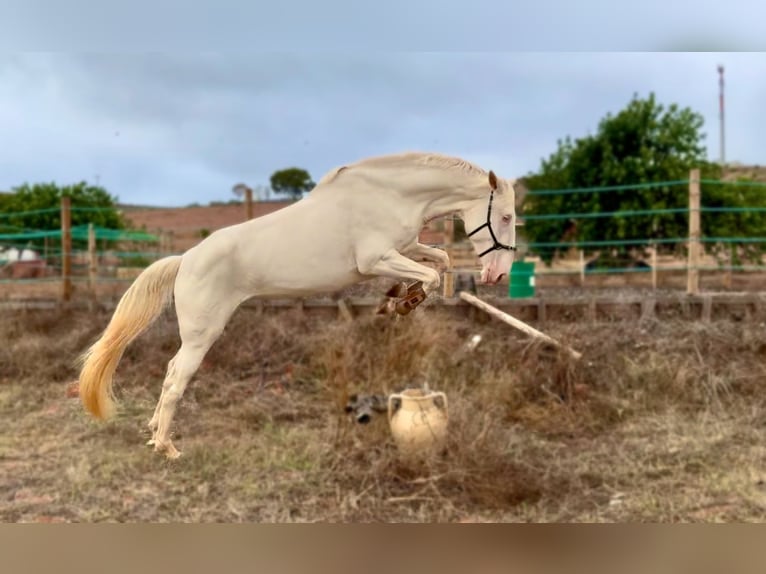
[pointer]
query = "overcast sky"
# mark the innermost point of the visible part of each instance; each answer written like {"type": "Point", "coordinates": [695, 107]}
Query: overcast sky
{"type": "Point", "coordinates": [183, 127]}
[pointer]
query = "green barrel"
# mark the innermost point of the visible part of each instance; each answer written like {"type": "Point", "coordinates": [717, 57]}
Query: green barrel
{"type": "Point", "coordinates": [522, 283]}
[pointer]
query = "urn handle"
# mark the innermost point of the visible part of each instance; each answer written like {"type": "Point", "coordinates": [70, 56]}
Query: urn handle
{"type": "Point", "coordinates": [391, 408]}
{"type": "Point", "coordinates": [443, 398]}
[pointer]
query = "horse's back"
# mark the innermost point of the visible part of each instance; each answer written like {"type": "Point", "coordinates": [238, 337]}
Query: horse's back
{"type": "Point", "coordinates": [299, 249]}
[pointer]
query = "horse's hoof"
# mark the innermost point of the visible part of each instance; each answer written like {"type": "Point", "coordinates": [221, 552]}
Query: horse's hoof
{"type": "Point", "coordinates": [414, 297]}
{"type": "Point", "coordinates": [397, 290]}
{"type": "Point", "coordinates": [386, 307]}
{"type": "Point", "coordinates": [402, 308]}
{"type": "Point", "coordinates": [170, 451]}
{"type": "Point", "coordinates": [409, 303]}
{"type": "Point", "coordinates": [173, 454]}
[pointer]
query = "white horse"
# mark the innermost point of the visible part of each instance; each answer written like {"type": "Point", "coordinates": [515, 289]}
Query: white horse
{"type": "Point", "coordinates": [360, 221]}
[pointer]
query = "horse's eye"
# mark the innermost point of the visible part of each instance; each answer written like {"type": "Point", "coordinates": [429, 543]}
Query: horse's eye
{"type": "Point", "coordinates": [506, 219]}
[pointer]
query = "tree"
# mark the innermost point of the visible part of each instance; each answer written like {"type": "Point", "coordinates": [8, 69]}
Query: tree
{"type": "Point", "coordinates": [644, 143]}
{"type": "Point", "coordinates": [293, 181]}
{"type": "Point", "coordinates": [37, 207]}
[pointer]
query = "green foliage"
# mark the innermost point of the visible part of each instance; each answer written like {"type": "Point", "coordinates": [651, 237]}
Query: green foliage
{"type": "Point", "coordinates": [736, 224]}
{"type": "Point", "coordinates": [293, 181]}
{"type": "Point", "coordinates": [136, 261]}
{"type": "Point", "coordinates": [645, 142]}
{"type": "Point", "coordinates": [44, 199]}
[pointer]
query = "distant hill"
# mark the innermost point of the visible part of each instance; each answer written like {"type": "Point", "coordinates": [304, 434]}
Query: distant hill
{"type": "Point", "coordinates": [189, 225]}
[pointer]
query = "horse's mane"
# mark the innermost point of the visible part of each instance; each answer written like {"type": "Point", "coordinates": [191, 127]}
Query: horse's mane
{"type": "Point", "coordinates": [424, 159]}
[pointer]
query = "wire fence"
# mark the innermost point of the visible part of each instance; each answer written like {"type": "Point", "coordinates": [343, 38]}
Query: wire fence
{"type": "Point", "coordinates": [726, 260]}
{"type": "Point", "coordinates": [719, 253]}
{"type": "Point", "coordinates": [41, 247]}
{"type": "Point", "coordinates": [30, 254]}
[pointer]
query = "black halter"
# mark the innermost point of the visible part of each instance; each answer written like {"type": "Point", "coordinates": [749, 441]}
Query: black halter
{"type": "Point", "coordinates": [496, 244]}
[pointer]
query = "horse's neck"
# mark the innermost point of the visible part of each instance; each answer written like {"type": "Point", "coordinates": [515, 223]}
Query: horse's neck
{"type": "Point", "coordinates": [432, 192]}
{"type": "Point", "coordinates": [447, 195]}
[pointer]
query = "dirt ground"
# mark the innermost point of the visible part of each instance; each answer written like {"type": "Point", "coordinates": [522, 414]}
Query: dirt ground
{"type": "Point", "coordinates": [661, 422]}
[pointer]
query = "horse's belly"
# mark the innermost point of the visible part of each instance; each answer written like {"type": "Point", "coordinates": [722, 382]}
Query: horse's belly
{"type": "Point", "coordinates": [259, 260]}
{"type": "Point", "coordinates": [304, 285]}
{"type": "Point", "coordinates": [300, 276]}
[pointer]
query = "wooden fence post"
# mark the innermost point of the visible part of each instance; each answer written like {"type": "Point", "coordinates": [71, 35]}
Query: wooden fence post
{"type": "Point", "coordinates": [727, 278]}
{"type": "Point", "coordinates": [66, 248]}
{"type": "Point", "coordinates": [249, 203]}
{"type": "Point", "coordinates": [92, 260]}
{"type": "Point", "coordinates": [244, 189]}
{"type": "Point", "coordinates": [692, 284]}
{"type": "Point", "coordinates": [449, 275]}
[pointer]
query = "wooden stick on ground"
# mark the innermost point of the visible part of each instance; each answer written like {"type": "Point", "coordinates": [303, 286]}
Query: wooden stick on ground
{"type": "Point", "coordinates": [513, 322]}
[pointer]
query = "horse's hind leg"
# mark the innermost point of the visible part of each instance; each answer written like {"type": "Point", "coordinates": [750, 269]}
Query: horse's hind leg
{"type": "Point", "coordinates": [186, 363]}
{"type": "Point", "coordinates": [155, 420]}
{"type": "Point", "coordinates": [198, 333]}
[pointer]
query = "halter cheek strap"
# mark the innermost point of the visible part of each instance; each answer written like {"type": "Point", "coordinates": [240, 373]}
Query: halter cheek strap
{"type": "Point", "coordinates": [496, 245]}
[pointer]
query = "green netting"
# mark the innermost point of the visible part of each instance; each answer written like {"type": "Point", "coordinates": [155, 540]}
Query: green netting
{"type": "Point", "coordinates": [81, 232]}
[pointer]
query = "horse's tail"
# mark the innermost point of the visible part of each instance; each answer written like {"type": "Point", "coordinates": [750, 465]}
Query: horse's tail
{"type": "Point", "coordinates": [141, 304]}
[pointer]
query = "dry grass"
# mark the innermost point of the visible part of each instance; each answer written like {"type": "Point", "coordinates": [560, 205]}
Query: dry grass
{"type": "Point", "coordinates": [658, 422]}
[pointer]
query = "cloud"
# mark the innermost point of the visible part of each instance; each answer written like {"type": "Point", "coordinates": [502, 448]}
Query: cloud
{"type": "Point", "coordinates": [303, 25]}
{"type": "Point", "coordinates": [179, 128]}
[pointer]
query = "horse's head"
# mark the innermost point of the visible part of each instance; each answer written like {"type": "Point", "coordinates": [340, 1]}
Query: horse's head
{"type": "Point", "coordinates": [491, 226]}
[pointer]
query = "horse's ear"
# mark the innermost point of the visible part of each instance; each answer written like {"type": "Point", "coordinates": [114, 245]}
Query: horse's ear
{"type": "Point", "coordinates": [492, 180]}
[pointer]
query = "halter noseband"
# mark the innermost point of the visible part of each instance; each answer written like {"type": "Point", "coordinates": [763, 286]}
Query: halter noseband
{"type": "Point", "coordinates": [496, 244]}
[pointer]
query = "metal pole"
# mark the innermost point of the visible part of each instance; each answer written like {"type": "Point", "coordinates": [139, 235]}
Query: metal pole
{"type": "Point", "coordinates": [92, 261]}
{"type": "Point", "coordinates": [66, 248]}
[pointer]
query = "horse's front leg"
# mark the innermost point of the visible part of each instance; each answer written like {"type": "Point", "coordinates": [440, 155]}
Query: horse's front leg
{"type": "Point", "coordinates": [395, 265]}
{"type": "Point", "coordinates": [400, 290]}
{"type": "Point", "coordinates": [432, 254]}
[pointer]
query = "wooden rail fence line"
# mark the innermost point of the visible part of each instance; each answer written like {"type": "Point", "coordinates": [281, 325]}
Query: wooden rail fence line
{"type": "Point", "coordinates": [463, 258]}
{"type": "Point", "coordinates": [703, 307]}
